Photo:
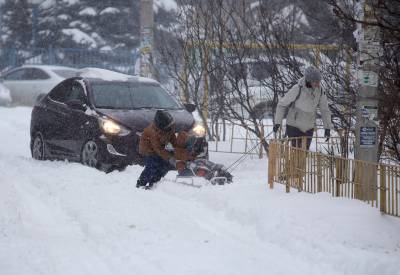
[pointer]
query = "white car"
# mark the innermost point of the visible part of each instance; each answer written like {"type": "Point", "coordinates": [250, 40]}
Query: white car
{"type": "Point", "coordinates": [5, 98]}
{"type": "Point", "coordinates": [27, 82]}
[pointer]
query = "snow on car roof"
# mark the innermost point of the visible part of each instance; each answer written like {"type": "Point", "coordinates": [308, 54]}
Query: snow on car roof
{"type": "Point", "coordinates": [109, 75]}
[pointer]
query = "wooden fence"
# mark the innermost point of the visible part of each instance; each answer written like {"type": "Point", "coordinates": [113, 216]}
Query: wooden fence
{"type": "Point", "coordinates": [376, 184]}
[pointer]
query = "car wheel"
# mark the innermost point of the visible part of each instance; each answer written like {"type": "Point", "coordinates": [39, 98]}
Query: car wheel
{"type": "Point", "coordinates": [90, 156]}
{"type": "Point", "coordinates": [37, 148]}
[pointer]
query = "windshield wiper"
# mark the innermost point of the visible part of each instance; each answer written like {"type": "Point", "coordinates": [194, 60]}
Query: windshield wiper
{"type": "Point", "coordinates": [161, 108]}
{"type": "Point", "coordinates": [173, 108]}
{"type": "Point", "coordinates": [107, 107]}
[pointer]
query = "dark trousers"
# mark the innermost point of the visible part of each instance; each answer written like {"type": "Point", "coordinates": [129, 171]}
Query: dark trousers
{"type": "Point", "coordinates": [293, 132]}
{"type": "Point", "coordinates": [155, 167]}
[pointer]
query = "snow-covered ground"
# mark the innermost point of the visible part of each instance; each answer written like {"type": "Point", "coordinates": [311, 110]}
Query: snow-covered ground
{"type": "Point", "coordinates": [64, 218]}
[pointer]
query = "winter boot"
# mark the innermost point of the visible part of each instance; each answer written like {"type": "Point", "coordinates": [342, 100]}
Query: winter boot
{"type": "Point", "coordinates": [140, 183]}
{"type": "Point", "coordinates": [149, 185]}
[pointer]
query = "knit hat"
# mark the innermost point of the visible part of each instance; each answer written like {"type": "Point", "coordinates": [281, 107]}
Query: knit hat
{"type": "Point", "coordinates": [312, 74]}
{"type": "Point", "coordinates": [163, 120]}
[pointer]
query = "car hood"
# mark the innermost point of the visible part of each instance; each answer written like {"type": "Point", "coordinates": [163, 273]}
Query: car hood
{"type": "Point", "coordinates": [137, 120]}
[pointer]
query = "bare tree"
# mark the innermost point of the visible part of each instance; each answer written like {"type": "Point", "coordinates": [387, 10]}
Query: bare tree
{"type": "Point", "coordinates": [225, 47]}
{"type": "Point", "coordinates": [186, 56]}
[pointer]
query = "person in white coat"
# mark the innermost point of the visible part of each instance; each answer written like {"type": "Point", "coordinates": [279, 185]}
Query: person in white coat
{"type": "Point", "coordinates": [300, 105]}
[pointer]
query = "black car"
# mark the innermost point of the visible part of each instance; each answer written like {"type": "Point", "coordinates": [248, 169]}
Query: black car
{"type": "Point", "coordinates": [98, 122]}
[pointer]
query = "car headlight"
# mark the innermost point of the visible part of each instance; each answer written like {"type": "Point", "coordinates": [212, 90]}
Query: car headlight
{"type": "Point", "coordinates": [198, 129]}
{"type": "Point", "coordinates": [110, 127]}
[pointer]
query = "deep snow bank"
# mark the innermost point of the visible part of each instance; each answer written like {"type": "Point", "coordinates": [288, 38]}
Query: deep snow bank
{"type": "Point", "coordinates": [64, 218]}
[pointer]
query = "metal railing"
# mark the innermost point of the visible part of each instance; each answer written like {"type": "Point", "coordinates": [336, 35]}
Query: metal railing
{"type": "Point", "coordinates": [240, 140]}
{"type": "Point", "coordinates": [374, 183]}
{"type": "Point", "coordinates": [118, 60]}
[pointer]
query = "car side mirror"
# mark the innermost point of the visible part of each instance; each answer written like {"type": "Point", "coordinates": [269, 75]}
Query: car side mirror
{"type": "Point", "coordinates": [190, 107]}
{"type": "Point", "coordinates": [76, 105]}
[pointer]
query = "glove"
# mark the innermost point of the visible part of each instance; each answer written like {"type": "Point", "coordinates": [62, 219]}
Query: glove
{"type": "Point", "coordinates": [276, 128]}
{"type": "Point", "coordinates": [327, 134]}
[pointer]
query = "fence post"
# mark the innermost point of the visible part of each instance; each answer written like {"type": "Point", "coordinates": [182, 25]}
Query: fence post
{"type": "Point", "coordinates": [288, 165]}
{"type": "Point", "coordinates": [302, 165]}
{"type": "Point", "coordinates": [382, 188]}
{"type": "Point", "coordinates": [298, 169]}
{"type": "Point", "coordinates": [338, 176]}
{"type": "Point", "coordinates": [272, 158]}
{"type": "Point", "coordinates": [260, 156]}
{"type": "Point", "coordinates": [12, 57]}
{"type": "Point", "coordinates": [357, 180]}
{"type": "Point", "coordinates": [52, 59]}
{"type": "Point", "coordinates": [319, 173]}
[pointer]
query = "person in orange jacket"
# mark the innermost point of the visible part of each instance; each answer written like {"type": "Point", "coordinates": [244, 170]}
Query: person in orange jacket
{"type": "Point", "coordinates": [157, 160]}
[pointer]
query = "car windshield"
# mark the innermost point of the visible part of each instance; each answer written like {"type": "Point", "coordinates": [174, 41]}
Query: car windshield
{"type": "Point", "coordinates": [65, 73]}
{"type": "Point", "coordinates": [131, 96]}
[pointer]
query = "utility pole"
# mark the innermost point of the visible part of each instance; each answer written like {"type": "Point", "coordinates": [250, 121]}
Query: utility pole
{"type": "Point", "coordinates": [369, 51]}
{"type": "Point", "coordinates": [146, 37]}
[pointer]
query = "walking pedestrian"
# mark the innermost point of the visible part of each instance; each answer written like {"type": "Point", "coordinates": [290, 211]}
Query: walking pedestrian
{"type": "Point", "coordinates": [299, 106]}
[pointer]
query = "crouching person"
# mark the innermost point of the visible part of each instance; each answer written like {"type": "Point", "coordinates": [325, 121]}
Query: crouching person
{"type": "Point", "coordinates": [152, 146]}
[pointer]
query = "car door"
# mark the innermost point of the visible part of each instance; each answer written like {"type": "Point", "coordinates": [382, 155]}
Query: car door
{"type": "Point", "coordinates": [76, 133]}
{"type": "Point", "coordinates": [57, 120]}
{"type": "Point", "coordinates": [15, 81]}
{"type": "Point", "coordinates": [68, 125]}
{"type": "Point", "coordinates": [25, 84]}
{"type": "Point", "coordinates": [39, 82]}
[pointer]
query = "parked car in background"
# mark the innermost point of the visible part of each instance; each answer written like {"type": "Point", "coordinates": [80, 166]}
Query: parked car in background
{"type": "Point", "coordinates": [5, 98]}
{"type": "Point", "coordinates": [27, 82]}
{"type": "Point", "coordinates": [98, 117]}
